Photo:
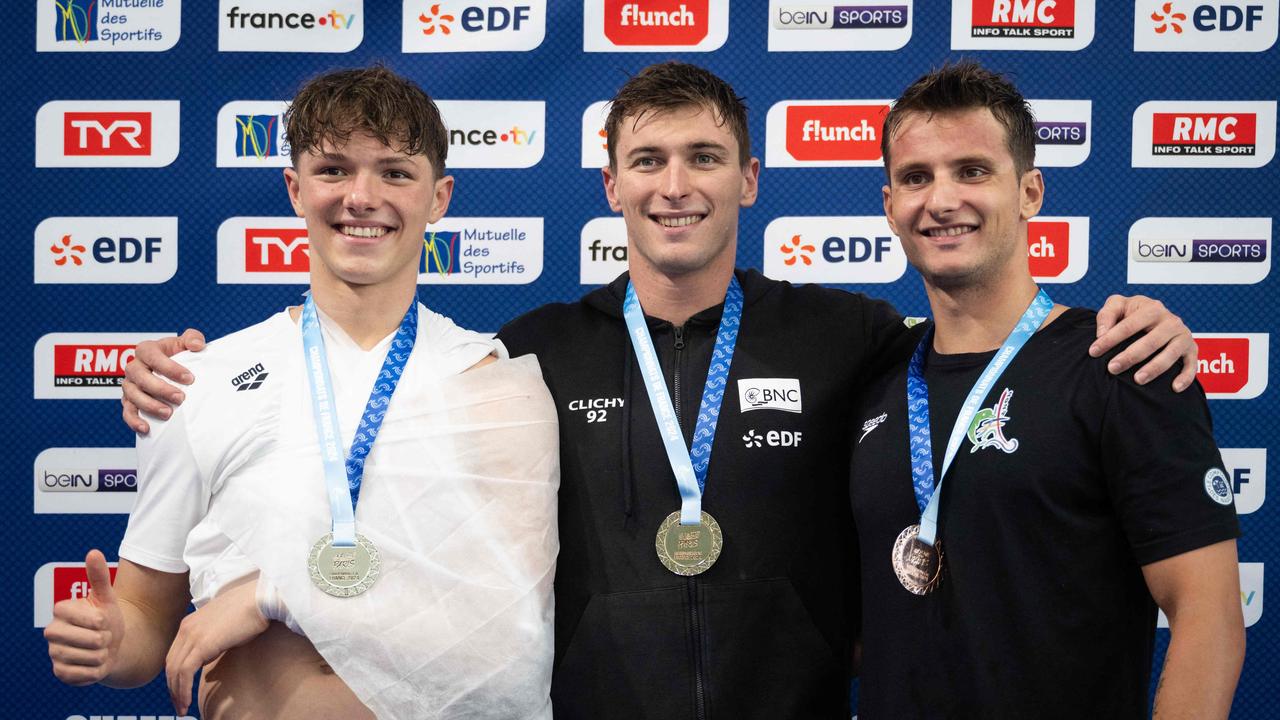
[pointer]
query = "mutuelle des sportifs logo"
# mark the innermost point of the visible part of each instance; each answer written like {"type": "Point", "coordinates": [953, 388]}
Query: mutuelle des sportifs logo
{"type": "Point", "coordinates": [482, 251]}
{"type": "Point", "coordinates": [251, 134]}
{"type": "Point", "coordinates": [107, 25]}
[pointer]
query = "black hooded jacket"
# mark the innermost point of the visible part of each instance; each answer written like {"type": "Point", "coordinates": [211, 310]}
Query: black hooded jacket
{"type": "Point", "coordinates": [767, 631]}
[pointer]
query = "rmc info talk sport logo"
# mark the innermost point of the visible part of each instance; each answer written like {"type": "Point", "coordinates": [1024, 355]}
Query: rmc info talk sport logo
{"type": "Point", "coordinates": [84, 366]}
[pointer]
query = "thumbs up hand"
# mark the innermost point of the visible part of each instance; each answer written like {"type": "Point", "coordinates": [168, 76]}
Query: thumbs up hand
{"type": "Point", "coordinates": [84, 637]}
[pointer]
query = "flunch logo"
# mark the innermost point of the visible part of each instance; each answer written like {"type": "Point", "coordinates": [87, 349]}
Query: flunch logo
{"type": "Point", "coordinates": [1232, 366]}
{"type": "Point", "coordinates": [264, 26]}
{"type": "Point", "coordinates": [251, 133]}
{"type": "Point", "coordinates": [1198, 26]}
{"type": "Point", "coordinates": [107, 133]}
{"type": "Point", "coordinates": [825, 133]}
{"type": "Point", "coordinates": [1204, 134]}
{"type": "Point", "coordinates": [1022, 24]}
{"type": "Point", "coordinates": [472, 26]}
{"type": "Point", "coordinates": [58, 581]}
{"type": "Point", "coordinates": [1200, 250]}
{"type": "Point", "coordinates": [648, 25]}
{"type": "Point", "coordinates": [106, 25]}
{"type": "Point", "coordinates": [1058, 248]}
{"type": "Point", "coordinates": [799, 26]}
{"type": "Point", "coordinates": [857, 249]}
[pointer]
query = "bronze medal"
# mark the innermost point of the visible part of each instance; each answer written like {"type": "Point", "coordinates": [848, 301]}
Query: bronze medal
{"type": "Point", "coordinates": [689, 549]}
{"type": "Point", "coordinates": [918, 565]}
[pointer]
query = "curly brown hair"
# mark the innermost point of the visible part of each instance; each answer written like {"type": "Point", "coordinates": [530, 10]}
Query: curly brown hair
{"type": "Point", "coordinates": [670, 85]}
{"type": "Point", "coordinates": [967, 86]}
{"type": "Point", "coordinates": [374, 100]}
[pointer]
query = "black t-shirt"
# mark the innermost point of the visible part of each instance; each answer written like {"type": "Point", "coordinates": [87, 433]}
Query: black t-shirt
{"type": "Point", "coordinates": [1077, 480]}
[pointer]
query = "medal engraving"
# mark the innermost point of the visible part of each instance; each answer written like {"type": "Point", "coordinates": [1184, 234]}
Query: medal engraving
{"type": "Point", "coordinates": [344, 571]}
{"type": "Point", "coordinates": [689, 549]}
{"type": "Point", "coordinates": [917, 564]}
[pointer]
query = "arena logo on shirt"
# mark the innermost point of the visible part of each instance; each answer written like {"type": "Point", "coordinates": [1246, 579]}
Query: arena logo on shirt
{"type": "Point", "coordinates": [1062, 131]}
{"type": "Point", "coordinates": [107, 133]}
{"type": "Point", "coordinates": [769, 394]}
{"type": "Point", "coordinates": [79, 366]}
{"type": "Point", "coordinates": [1058, 248]}
{"type": "Point", "coordinates": [1247, 472]}
{"type": "Point", "coordinates": [468, 26]}
{"type": "Point", "coordinates": [80, 250]}
{"type": "Point", "coordinates": [107, 25]}
{"type": "Point", "coordinates": [321, 26]}
{"type": "Point", "coordinates": [1192, 26]}
{"type": "Point", "coordinates": [494, 134]}
{"type": "Point", "coordinates": [1204, 134]}
{"type": "Point", "coordinates": [1200, 250]}
{"type": "Point", "coordinates": [85, 480]}
{"type": "Point", "coordinates": [654, 25]}
{"type": "Point", "coordinates": [1232, 366]}
{"type": "Point", "coordinates": [603, 250]}
{"type": "Point", "coordinates": [1021, 24]}
{"type": "Point", "coordinates": [482, 251]}
{"type": "Point", "coordinates": [58, 581]}
{"type": "Point", "coordinates": [251, 134]}
{"type": "Point", "coordinates": [595, 148]}
{"type": "Point", "coordinates": [825, 133]}
{"type": "Point", "coordinates": [833, 249]}
{"type": "Point", "coordinates": [857, 24]}
{"type": "Point", "coordinates": [1251, 575]}
{"type": "Point", "coordinates": [263, 251]}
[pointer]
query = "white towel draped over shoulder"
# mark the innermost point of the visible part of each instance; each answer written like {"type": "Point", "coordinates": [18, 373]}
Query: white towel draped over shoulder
{"type": "Point", "coordinates": [459, 497]}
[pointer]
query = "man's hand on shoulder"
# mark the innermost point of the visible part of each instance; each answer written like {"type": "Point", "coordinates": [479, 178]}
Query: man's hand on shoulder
{"type": "Point", "coordinates": [145, 388]}
{"type": "Point", "coordinates": [1167, 339]}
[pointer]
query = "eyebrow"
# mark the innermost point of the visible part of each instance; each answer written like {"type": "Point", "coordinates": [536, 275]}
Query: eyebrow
{"type": "Point", "coordinates": [694, 146]}
{"type": "Point", "coordinates": [959, 162]}
{"type": "Point", "coordinates": [382, 161]}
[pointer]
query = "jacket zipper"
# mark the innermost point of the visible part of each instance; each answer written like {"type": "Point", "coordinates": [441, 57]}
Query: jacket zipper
{"type": "Point", "coordinates": [700, 706]}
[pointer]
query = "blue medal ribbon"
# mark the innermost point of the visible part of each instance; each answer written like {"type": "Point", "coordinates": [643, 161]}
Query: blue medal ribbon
{"type": "Point", "coordinates": [343, 476]}
{"type": "Point", "coordinates": [689, 464]}
{"type": "Point", "coordinates": [928, 493]}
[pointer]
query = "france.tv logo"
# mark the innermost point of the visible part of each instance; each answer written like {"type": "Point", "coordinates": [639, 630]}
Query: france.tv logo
{"type": "Point", "coordinates": [256, 136]}
{"type": "Point", "coordinates": [440, 248]}
{"type": "Point", "coordinates": [76, 20]}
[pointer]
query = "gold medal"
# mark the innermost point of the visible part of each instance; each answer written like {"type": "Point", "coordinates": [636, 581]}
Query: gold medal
{"type": "Point", "coordinates": [344, 571]}
{"type": "Point", "coordinates": [917, 564]}
{"type": "Point", "coordinates": [689, 549]}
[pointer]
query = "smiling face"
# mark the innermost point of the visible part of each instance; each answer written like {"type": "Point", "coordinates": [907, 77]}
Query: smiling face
{"type": "Point", "coordinates": [957, 201]}
{"type": "Point", "coordinates": [366, 206]}
{"type": "Point", "coordinates": [679, 182]}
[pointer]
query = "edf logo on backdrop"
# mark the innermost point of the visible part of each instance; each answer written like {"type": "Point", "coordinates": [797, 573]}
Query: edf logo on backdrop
{"type": "Point", "coordinates": [855, 249]}
{"type": "Point", "coordinates": [1200, 26]}
{"type": "Point", "coordinates": [107, 133]}
{"type": "Point", "coordinates": [92, 250]}
{"type": "Point", "coordinates": [472, 26]}
{"type": "Point", "coordinates": [654, 25]}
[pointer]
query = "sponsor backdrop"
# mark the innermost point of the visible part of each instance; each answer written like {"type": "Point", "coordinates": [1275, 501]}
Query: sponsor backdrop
{"type": "Point", "coordinates": [147, 146]}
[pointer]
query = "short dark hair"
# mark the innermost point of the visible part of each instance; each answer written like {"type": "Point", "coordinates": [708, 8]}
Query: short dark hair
{"type": "Point", "coordinates": [670, 85]}
{"type": "Point", "coordinates": [374, 100]}
{"type": "Point", "coordinates": [966, 86]}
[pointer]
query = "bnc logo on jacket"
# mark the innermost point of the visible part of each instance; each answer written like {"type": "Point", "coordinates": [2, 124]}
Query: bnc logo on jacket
{"type": "Point", "coordinates": [85, 480]}
{"type": "Point", "coordinates": [769, 394]}
{"type": "Point", "coordinates": [1204, 134]}
{"type": "Point", "coordinates": [1062, 131]}
{"type": "Point", "coordinates": [833, 249]}
{"type": "Point", "coordinates": [107, 133]}
{"type": "Point", "coordinates": [482, 251]}
{"type": "Point", "coordinates": [471, 26]}
{"type": "Point", "coordinates": [804, 26]}
{"type": "Point", "coordinates": [825, 133]}
{"type": "Point", "coordinates": [251, 134]}
{"type": "Point", "coordinates": [58, 581]}
{"type": "Point", "coordinates": [317, 26]}
{"type": "Point", "coordinates": [1021, 24]}
{"type": "Point", "coordinates": [494, 133]}
{"type": "Point", "coordinates": [1232, 366]}
{"type": "Point", "coordinates": [603, 250]}
{"type": "Point", "coordinates": [263, 251]}
{"type": "Point", "coordinates": [1058, 248]}
{"type": "Point", "coordinates": [1200, 250]}
{"type": "Point", "coordinates": [1197, 26]}
{"type": "Point", "coordinates": [107, 26]}
{"type": "Point", "coordinates": [654, 25]}
{"type": "Point", "coordinates": [93, 250]}
{"type": "Point", "coordinates": [1247, 472]}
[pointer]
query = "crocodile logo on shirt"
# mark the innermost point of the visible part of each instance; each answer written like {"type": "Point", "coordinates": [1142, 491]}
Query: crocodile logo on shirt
{"type": "Point", "coordinates": [987, 428]}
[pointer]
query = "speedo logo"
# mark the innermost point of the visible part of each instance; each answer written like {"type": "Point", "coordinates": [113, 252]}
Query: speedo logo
{"type": "Point", "coordinates": [250, 379]}
{"type": "Point", "coordinates": [769, 394]}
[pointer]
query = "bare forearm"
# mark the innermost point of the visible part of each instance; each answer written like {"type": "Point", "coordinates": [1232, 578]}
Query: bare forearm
{"type": "Point", "coordinates": [1200, 670]}
{"type": "Point", "coordinates": [143, 648]}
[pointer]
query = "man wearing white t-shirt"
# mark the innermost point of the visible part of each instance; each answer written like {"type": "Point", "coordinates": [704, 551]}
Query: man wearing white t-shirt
{"type": "Point", "coordinates": [416, 575]}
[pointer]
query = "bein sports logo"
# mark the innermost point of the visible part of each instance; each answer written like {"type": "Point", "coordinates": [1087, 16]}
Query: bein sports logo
{"type": "Point", "coordinates": [1021, 24]}
{"type": "Point", "coordinates": [1216, 26]}
{"type": "Point", "coordinates": [835, 133]}
{"type": "Point", "coordinates": [85, 480]}
{"type": "Point", "coordinates": [468, 27]}
{"type": "Point", "coordinates": [1200, 250]}
{"type": "Point", "coordinates": [1062, 131]}
{"type": "Point", "coordinates": [807, 27]}
{"type": "Point", "coordinates": [1208, 134]}
{"type": "Point", "coordinates": [107, 133]}
{"type": "Point", "coordinates": [1232, 366]}
{"type": "Point", "coordinates": [652, 25]}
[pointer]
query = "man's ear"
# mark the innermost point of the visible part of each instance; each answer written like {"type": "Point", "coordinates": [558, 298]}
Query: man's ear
{"type": "Point", "coordinates": [291, 184]}
{"type": "Point", "coordinates": [1031, 193]}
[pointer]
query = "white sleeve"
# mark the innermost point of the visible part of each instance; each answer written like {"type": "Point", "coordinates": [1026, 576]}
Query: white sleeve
{"type": "Point", "coordinates": [172, 497]}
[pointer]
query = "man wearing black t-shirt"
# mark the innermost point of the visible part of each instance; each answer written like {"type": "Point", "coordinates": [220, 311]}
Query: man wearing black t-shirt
{"type": "Point", "coordinates": [1078, 501]}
